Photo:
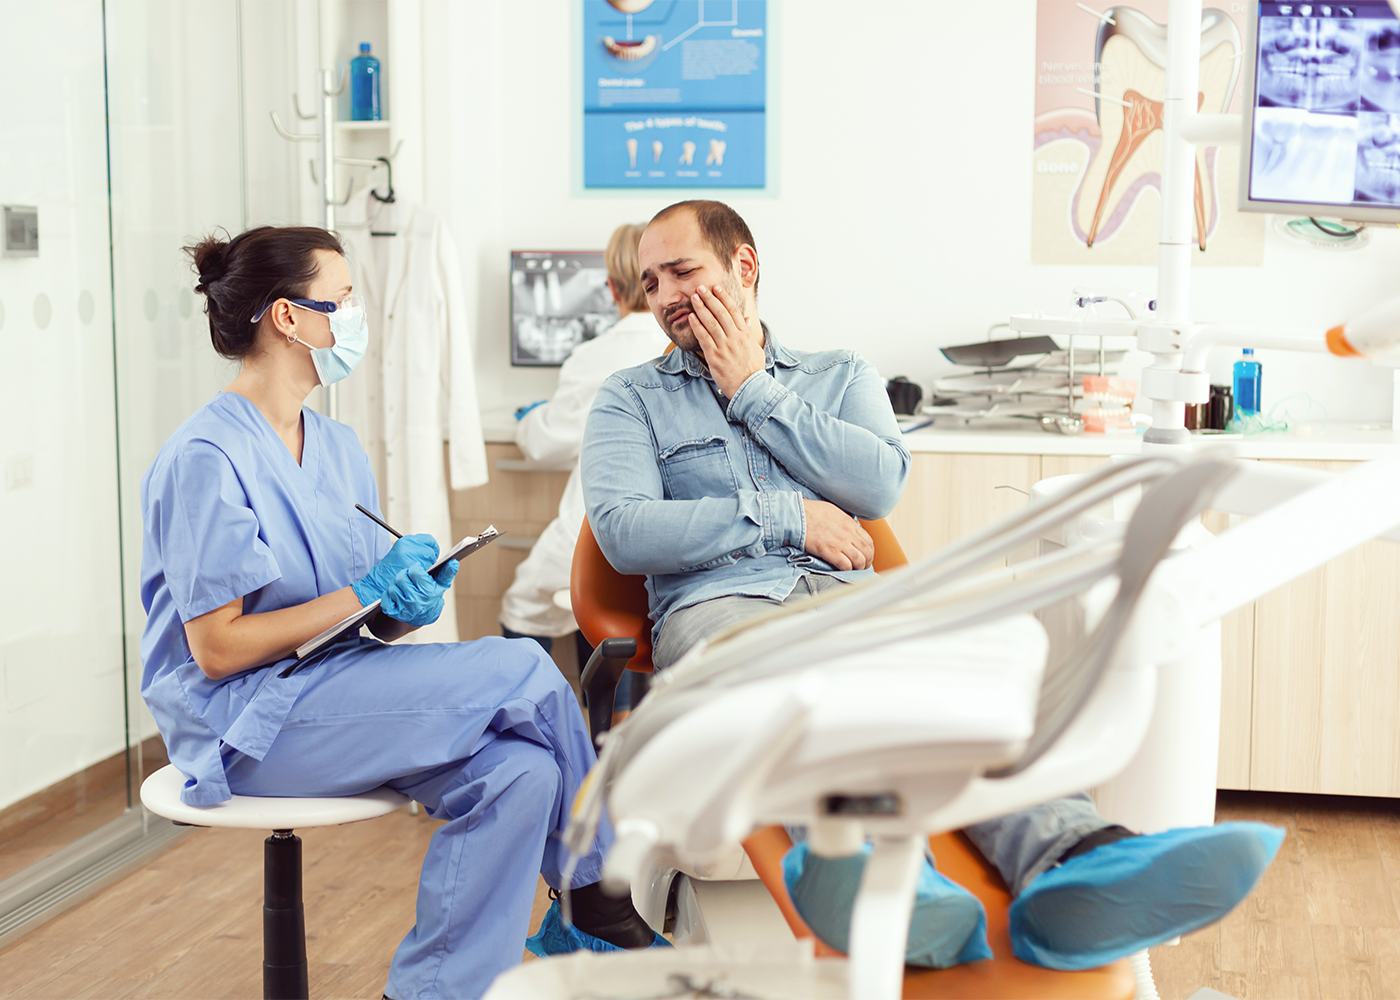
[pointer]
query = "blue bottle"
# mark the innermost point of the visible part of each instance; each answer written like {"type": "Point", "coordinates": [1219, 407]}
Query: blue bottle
{"type": "Point", "coordinates": [1248, 376]}
{"type": "Point", "coordinates": [364, 86]}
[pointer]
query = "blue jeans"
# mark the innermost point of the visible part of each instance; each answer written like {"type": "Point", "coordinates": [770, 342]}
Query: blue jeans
{"type": "Point", "coordinates": [1021, 845]}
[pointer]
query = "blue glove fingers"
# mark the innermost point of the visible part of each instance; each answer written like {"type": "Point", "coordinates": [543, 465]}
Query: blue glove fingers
{"type": "Point", "coordinates": [410, 550]}
{"type": "Point", "coordinates": [414, 597]}
{"type": "Point", "coordinates": [448, 573]}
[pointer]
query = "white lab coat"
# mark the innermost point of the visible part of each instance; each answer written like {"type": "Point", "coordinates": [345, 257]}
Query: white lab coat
{"type": "Point", "coordinates": [552, 433]}
{"type": "Point", "coordinates": [417, 384]}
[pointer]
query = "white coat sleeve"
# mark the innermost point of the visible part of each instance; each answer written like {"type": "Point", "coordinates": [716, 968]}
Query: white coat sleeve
{"type": "Point", "coordinates": [553, 432]}
{"type": "Point", "coordinates": [466, 444]}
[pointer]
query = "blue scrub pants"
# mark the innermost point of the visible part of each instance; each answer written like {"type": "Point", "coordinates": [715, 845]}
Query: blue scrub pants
{"type": "Point", "coordinates": [488, 736]}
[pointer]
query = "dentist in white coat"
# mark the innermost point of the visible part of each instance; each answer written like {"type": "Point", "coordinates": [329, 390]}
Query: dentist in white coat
{"type": "Point", "coordinates": [552, 432]}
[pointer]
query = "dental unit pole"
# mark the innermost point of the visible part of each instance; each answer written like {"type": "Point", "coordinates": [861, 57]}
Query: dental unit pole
{"type": "Point", "coordinates": [1171, 782]}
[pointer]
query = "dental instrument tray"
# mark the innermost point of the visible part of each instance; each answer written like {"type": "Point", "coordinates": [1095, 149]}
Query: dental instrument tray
{"type": "Point", "coordinates": [352, 624]}
{"type": "Point", "coordinates": [996, 353]}
{"type": "Point", "coordinates": [1021, 378]}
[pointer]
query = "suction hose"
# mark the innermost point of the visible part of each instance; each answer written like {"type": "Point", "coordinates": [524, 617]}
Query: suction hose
{"type": "Point", "coordinates": [1142, 976]}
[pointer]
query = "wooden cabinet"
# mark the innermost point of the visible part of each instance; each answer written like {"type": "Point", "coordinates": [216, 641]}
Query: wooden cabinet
{"type": "Point", "coordinates": [1310, 698]}
{"type": "Point", "coordinates": [1327, 676]}
{"type": "Point", "coordinates": [517, 502]}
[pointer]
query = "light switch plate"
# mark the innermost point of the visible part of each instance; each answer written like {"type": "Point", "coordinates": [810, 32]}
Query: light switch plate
{"type": "Point", "coordinates": [21, 231]}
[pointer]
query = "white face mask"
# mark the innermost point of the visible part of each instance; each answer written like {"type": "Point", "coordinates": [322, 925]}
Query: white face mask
{"type": "Point", "coordinates": [350, 328]}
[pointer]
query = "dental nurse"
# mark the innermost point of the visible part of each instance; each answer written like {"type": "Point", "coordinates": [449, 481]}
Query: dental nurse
{"type": "Point", "coordinates": [252, 546]}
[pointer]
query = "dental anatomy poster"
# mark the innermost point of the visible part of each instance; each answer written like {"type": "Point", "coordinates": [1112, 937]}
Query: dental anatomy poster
{"type": "Point", "coordinates": [1099, 83]}
{"type": "Point", "coordinates": [675, 93]}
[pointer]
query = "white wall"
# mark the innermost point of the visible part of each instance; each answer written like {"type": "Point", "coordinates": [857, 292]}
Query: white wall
{"type": "Point", "coordinates": [900, 216]}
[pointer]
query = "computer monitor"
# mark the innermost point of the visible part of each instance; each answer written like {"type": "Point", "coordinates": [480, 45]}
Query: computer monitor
{"type": "Point", "coordinates": [558, 299]}
{"type": "Point", "coordinates": [1323, 110]}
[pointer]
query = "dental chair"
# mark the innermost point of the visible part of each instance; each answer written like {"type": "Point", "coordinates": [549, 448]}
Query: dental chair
{"type": "Point", "coordinates": [611, 610]}
{"type": "Point", "coordinates": [937, 695]}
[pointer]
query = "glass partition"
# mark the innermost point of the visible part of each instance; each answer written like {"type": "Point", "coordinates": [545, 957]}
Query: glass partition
{"type": "Point", "coordinates": [63, 719]}
{"type": "Point", "coordinates": [176, 128]}
{"type": "Point", "coordinates": [125, 136]}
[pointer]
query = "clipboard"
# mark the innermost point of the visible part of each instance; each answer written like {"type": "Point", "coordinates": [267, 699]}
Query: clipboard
{"type": "Point", "coordinates": [352, 624]}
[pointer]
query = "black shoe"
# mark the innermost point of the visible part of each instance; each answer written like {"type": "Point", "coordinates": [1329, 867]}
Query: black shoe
{"type": "Point", "coordinates": [613, 919]}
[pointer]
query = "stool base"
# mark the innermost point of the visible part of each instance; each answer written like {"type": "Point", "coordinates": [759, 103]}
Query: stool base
{"type": "Point", "coordinates": [284, 919]}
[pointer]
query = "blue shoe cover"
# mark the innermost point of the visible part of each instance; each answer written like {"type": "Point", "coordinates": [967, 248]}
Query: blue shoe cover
{"type": "Point", "coordinates": [553, 938]}
{"type": "Point", "coordinates": [1136, 893]}
{"type": "Point", "coordinates": [948, 926]}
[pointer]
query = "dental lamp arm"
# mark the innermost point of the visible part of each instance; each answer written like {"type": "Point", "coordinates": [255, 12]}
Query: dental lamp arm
{"type": "Point", "coordinates": [855, 459]}
{"type": "Point", "coordinates": [1215, 335]}
{"type": "Point", "coordinates": [1374, 333]}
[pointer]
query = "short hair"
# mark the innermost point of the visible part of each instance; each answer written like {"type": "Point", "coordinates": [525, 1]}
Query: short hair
{"type": "Point", "coordinates": [240, 276]}
{"type": "Point", "coordinates": [625, 267]}
{"type": "Point", "coordinates": [723, 229]}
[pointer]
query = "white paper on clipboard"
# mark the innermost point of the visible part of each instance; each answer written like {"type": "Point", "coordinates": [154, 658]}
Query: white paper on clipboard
{"type": "Point", "coordinates": [459, 552]}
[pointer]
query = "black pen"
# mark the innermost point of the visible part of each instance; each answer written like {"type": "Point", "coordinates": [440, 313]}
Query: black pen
{"type": "Point", "coordinates": [379, 521]}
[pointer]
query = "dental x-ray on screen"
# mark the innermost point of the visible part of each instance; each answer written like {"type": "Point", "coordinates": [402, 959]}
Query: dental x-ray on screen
{"type": "Point", "coordinates": [558, 299]}
{"type": "Point", "coordinates": [1325, 129]}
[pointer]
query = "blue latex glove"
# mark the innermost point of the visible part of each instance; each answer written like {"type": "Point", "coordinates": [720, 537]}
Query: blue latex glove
{"type": "Point", "coordinates": [1136, 893]}
{"type": "Point", "coordinates": [415, 595]}
{"type": "Point", "coordinates": [520, 413]}
{"type": "Point", "coordinates": [410, 550]}
{"type": "Point", "coordinates": [948, 925]}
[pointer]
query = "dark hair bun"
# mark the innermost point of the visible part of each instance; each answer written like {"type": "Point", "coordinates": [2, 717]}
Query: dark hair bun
{"type": "Point", "coordinates": [209, 260]}
{"type": "Point", "coordinates": [238, 277]}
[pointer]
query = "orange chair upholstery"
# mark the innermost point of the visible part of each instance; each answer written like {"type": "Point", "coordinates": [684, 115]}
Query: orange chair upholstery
{"type": "Point", "coordinates": [608, 604]}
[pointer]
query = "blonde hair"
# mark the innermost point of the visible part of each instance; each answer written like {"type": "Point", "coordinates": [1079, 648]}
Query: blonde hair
{"type": "Point", "coordinates": [625, 268]}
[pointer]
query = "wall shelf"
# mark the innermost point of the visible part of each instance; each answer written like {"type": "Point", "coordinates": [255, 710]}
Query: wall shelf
{"type": "Point", "coordinates": [379, 126]}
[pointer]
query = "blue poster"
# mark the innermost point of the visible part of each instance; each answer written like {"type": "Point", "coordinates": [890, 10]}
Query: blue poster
{"type": "Point", "coordinates": [674, 93]}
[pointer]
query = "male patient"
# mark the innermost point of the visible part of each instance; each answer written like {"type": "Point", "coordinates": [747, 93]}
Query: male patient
{"type": "Point", "coordinates": [731, 472]}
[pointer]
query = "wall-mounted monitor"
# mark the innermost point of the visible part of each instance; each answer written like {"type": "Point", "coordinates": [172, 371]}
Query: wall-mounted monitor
{"type": "Point", "coordinates": [558, 299]}
{"type": "Point", "coordinates": [1323, 111]}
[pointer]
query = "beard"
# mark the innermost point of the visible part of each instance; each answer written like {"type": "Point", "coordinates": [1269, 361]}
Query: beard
{"type": "Point", "coordinates": [676, 320]}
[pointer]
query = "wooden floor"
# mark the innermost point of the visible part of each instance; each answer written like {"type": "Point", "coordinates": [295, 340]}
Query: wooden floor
{"type": "Point", "coordinates": [1323, 924]}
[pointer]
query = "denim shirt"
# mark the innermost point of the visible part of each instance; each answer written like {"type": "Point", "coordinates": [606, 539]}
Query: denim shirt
{"type": "Point", "coordinates": [703, 494]}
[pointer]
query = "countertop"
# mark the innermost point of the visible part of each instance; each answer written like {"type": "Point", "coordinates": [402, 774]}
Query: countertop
{"type": "Point", "coordinates": [1338, 442]}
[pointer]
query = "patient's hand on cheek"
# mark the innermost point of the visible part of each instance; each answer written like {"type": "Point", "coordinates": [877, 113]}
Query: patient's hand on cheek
{"type": "Point", "coordinates": [731, 342]}
{"type": "Point", "coordinates": [835, 536]}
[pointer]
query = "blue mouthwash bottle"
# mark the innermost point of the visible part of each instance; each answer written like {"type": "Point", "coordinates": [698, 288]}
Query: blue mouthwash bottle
{"type": "Point", "coordinates": [364, 86]}
{"type": "Point", "coordinates": [1248, 375]}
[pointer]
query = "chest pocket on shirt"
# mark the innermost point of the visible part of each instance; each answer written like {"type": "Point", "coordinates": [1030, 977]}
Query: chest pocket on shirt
{"type": "Point", "coordinates": [363, 544]}
{"type": "Point", "coordinates": [696, 469]}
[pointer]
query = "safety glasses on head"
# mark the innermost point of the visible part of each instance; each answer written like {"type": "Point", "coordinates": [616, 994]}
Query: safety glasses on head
{"type": "Point", "coordinates": [318, 305]}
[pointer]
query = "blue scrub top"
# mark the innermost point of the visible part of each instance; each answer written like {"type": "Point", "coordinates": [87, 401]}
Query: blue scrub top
{"type": "Point", "coordinates": [227, 513]}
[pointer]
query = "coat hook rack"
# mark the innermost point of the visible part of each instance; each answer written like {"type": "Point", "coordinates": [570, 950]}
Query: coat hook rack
{"type": "Point", "coordinates": [325, 135]}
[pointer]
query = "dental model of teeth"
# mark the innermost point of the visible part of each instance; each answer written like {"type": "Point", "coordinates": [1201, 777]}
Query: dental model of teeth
{"type": "Point", "coordinates": [1108, 404]}
{"type": "Point", "coordinates": [716, 157]}
{"type": "Point", "coordinates": [687, 154]}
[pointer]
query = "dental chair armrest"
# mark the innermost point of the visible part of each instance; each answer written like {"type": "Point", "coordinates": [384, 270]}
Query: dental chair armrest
{"type": "Point", "coordinates": [599, 681]}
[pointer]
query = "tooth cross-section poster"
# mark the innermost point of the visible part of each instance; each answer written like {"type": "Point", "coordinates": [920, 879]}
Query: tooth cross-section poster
{"type": "Point", "coordinates": [1100, 78]}
{"type": "Point", "coordinates": [675, 93]}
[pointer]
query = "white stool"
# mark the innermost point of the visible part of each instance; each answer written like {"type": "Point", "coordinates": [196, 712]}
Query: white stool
{"type": "Point", "coordinates": [284, 922]}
